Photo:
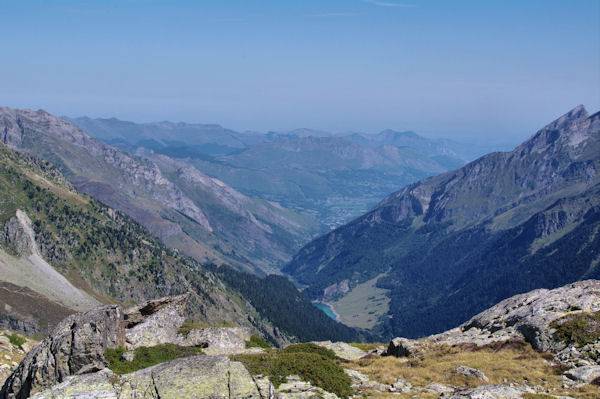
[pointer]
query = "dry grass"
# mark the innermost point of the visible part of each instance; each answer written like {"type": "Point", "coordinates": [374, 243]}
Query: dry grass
{"type": "Point", "coordinates": [515, 363]}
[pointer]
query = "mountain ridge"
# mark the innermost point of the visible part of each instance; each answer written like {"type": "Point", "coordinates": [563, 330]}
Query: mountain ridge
{"type": "Point", "coordinates": [443, 234]}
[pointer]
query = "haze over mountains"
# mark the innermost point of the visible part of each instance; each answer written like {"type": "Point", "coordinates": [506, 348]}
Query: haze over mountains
{"type": "Point", "coordinates": [333, 177]}
{"type": "Point", "coordinates": [440, 250]}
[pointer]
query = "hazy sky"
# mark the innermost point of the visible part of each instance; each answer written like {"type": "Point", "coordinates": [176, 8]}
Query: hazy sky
{"type": "Point", "coordinates": [487, 69]}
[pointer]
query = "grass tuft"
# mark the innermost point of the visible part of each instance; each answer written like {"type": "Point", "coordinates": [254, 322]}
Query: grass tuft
{"type": "Point", "coordinates": [257, 342]}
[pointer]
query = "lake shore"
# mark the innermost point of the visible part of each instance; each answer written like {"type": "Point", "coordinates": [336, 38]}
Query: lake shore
{"type": "Point", "coordinates": [328, 307]}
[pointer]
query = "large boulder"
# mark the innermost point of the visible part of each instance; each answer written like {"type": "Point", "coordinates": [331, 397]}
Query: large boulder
{"type": "Point", "coordinates": [76, 346]}
{"type": "Point", "coordinates": [154, 322]}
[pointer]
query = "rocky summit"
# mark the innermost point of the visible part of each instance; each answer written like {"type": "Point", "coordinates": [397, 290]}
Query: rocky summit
{"type": "Point", "coordinates": [542, 344]}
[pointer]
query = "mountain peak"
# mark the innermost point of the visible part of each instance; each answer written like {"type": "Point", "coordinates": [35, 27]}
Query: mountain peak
{"type": "Point", "coordinates": [568, 130]}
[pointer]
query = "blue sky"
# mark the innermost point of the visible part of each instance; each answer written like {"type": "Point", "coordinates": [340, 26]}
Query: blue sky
{"type": "Point", "coordinates": [487, 70]}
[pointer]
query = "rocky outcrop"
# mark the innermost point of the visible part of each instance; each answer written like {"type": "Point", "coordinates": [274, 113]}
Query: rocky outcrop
{"type": "Point", "coordinates": [76, 346]}
{"type": "Point", "coordinates": [71, 361]}
{"type": "Point", "coordinates": [15, 238]}
{"type": "Point", "coordinates": [402, 347]}
{"type": "Point", "coordinates": [154, 322]}
{"type": "Point", "coordinates": [527, 316]}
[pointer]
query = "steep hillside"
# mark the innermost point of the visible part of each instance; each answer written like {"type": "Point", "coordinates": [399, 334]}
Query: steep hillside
{"type": "Point", "coordinates": [449, 246]}
{"type": "Point", "coordinates": [61, 252]}
{"type": "Point", "coordinates": [186, 209]}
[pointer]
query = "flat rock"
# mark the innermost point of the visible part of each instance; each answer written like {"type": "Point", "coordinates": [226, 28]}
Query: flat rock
{"type": "Point", "coordinates": [342, 350]}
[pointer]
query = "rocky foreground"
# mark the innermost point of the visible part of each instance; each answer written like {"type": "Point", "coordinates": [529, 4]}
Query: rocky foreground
{"type": "Point", "coordinates": [536, 345]}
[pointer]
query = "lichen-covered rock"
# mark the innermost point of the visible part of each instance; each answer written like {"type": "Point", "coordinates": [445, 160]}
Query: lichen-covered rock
{"type": "Point", "coordinates": [490, 392]}
{"type": "Point", "coordinates": [76, 346]}
{"type": "Point", "coordinates": [527, 316]}
{"type": "Point", "coordinates": [470, 372]}
{"type": "Point", "coordinates": [216, 340]}
{"type": "Point", "coordinates": [343, 350]}
{"type": "Point", "coordinates": [154, 322]}
{"type": "Point", "coordinates": [193, 377]}
{"type": "Point", "coordinates": [402, 347]}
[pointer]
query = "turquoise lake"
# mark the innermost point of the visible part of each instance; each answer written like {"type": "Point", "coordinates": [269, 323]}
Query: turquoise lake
{"type": "Point", "coordinates": [326, 309]}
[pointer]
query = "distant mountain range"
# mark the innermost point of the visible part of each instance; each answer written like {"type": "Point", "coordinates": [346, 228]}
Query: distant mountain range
{"type": "Point", "coordinates": [187, 209]}
{"type": "Point", "coordinates": [334, 177]}
{"type": "Point", "coordinates": [444, 248]}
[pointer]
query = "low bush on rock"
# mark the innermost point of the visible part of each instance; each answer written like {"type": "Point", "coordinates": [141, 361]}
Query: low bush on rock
{"type": "Point", "coordinates": [309, 347]}
{"type": "Point", "coordinates": [147, 356]}
{"type": "Point", "coordinates": [257, 342]}
{"type": "Point", "coordinates": [578, 329]}
{"type": "Point", "coordinates": [318, 366]}
{"type": "Point", "coordinates": [16, 339]}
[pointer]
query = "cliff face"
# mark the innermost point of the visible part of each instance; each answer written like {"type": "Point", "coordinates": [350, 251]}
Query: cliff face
{"type": "Point", "coordinates": [502, 224]}
{"type": "Point", "coordinates": [187, 209]}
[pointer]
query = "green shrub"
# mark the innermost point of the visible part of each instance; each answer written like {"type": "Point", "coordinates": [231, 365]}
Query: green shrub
{"type": "Point", "coordinates": [321, 371]}
{"type": "Point", "coordinates": [578, 329]}
{"type": "Point", "coordinates": [257, 342]}
{"type": "Point", "coordinates": [309, 347]}
{"type": "Point", "coordinates": [16, 339]}
{"type": "Point", "coordinates": [147, 356]}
